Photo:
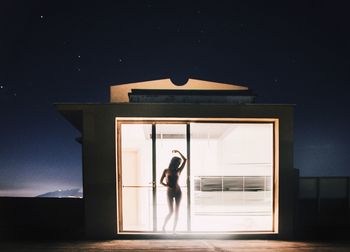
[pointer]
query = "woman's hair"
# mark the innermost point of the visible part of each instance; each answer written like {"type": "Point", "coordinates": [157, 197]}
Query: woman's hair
{"type": "Point", "coordinates": [174, 163]}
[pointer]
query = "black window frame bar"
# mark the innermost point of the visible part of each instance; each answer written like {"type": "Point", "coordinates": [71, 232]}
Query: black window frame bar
{"type": "Point", "coordinates": [154, 176]}
{"type": "Point", "coordinates": [188, 141]}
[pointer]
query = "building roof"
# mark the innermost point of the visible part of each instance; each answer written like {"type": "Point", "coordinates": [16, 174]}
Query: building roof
{"type": "Point", "coordinates": [120, 93]}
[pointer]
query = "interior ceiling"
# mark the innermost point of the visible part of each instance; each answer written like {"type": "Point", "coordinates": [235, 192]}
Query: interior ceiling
{"type": "Point", "coordinates": [140, 132]}
{"type": "Point", "coordinates": [198, 131]}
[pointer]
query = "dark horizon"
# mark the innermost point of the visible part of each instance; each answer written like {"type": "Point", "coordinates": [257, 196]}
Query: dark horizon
{"type": "Point", "coordinates": [61, 51]}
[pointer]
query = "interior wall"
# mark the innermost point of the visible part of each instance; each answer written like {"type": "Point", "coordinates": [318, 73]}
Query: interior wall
{"type": "Point", "coordinates": [137, 177]}
{"type": "Point", "coordinates": [131, 206]}
{"type": "Point", "coordinates": [242, 150]}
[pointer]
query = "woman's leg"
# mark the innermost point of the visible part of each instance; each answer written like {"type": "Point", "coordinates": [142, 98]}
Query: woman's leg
{"type": "Point", "coordinates": [171, 207]}
{"type": "Point", "coordinates": [178, 197]}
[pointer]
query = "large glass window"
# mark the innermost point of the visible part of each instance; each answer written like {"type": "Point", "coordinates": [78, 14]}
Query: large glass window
{"type": "Point", "coordinates": [227, 184]}
{"type": "Point", "coordinates": [136, 152]}
{"type": "Point", "coordinates": [232, 168]}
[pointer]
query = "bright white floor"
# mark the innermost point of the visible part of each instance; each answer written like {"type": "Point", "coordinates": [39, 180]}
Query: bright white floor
{"type": "Point", "coordinates": [218, 212]}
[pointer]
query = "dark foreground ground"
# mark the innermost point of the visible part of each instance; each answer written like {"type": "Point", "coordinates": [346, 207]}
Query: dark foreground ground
{"type": "Point", "coordinates": [173, 245]}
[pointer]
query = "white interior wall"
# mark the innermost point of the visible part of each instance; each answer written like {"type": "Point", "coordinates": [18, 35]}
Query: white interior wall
{"type": "Point", "coordinates": [137, 164]}
{"type": "Point", "coordinates": [242, 150]}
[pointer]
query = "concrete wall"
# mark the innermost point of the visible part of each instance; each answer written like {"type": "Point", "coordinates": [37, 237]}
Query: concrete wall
{"type": "Point", "coordinates": [99, 173]}
{"type": "Point", "coordinates": [323, 211]}
{"type": "Point", "coordinates": [39, 218]}
{"type": "Point", "coordinates": [99, 161]}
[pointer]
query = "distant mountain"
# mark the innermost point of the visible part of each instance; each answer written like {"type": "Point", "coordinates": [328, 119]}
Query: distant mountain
{"type": "Point", "coordinates": [70, 193]}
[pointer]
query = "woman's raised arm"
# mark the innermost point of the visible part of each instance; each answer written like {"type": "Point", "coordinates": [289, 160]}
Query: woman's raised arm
{"type": "Point", "coordinates": [184, 160]}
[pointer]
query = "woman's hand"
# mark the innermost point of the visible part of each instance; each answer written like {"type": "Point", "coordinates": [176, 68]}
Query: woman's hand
{"type": "Point", "coordinates": [182, 156]}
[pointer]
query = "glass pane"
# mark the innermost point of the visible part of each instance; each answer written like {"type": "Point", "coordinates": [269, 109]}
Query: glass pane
{"type": "Point", "coordinates": [137, 202]}
{"type": "Point", "coordinates": [170, 137]}
{"type": "Point", "coordinates": [231, 170]}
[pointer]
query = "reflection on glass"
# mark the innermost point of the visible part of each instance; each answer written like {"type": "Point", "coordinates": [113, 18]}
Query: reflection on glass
{"type": "Point", "coordinates": [231, 168]}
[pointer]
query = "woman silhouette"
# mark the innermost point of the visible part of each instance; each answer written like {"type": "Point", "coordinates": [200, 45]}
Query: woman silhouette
{"type": "Point", "coordinates": [173, 189]}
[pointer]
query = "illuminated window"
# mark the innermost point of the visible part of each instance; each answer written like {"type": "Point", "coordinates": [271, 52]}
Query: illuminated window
{"type": "Point", "coordinates": [231, 174]}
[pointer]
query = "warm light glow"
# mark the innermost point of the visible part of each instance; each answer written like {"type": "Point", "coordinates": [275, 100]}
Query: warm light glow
{"type": "Point", "coordinates": [232, 174]}
{"type": "Point", "coordinates": [119, 93]}
{"type": "Point", "coordinates": [232, 167]}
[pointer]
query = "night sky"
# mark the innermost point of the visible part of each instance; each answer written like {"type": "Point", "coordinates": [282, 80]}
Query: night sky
{"type": "Point", "coordinates": [294, 52]}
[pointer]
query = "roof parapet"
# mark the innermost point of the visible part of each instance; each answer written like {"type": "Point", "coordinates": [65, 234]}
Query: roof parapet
{"type": "Point", "coordinates": [121, 93]}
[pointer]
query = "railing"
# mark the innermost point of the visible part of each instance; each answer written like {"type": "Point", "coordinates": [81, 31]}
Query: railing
{"type": "Point", "coordinates": [232, 183]}
{"type": "Point", "coordinates": [324, 187]}
{"type": "Point", "coordinates": [324, 205]}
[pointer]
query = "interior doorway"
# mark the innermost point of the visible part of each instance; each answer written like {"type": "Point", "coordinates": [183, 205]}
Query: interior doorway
{"type": "Point", "coordinates": [228, 185]}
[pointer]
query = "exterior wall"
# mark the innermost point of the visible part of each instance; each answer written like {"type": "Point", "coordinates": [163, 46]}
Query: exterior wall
{"type": "Point", "coordinates": [99, 173]}
{"type": "Point", "coordinates": [99, 160]}
{"type": "Point", "coordinates": [323, 211]}
{"type": "Point", "coordinates": [41, 218]}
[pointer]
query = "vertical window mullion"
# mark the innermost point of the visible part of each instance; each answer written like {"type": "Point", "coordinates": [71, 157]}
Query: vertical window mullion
{"type": "Point", "coordinates": [188, 140]}
{"type": "Point", "coordinates": [154, 177]}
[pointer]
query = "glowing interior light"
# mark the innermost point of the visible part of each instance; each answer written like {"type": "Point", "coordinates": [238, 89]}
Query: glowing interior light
{"type": "Point", "coordinates": [231, 177]}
